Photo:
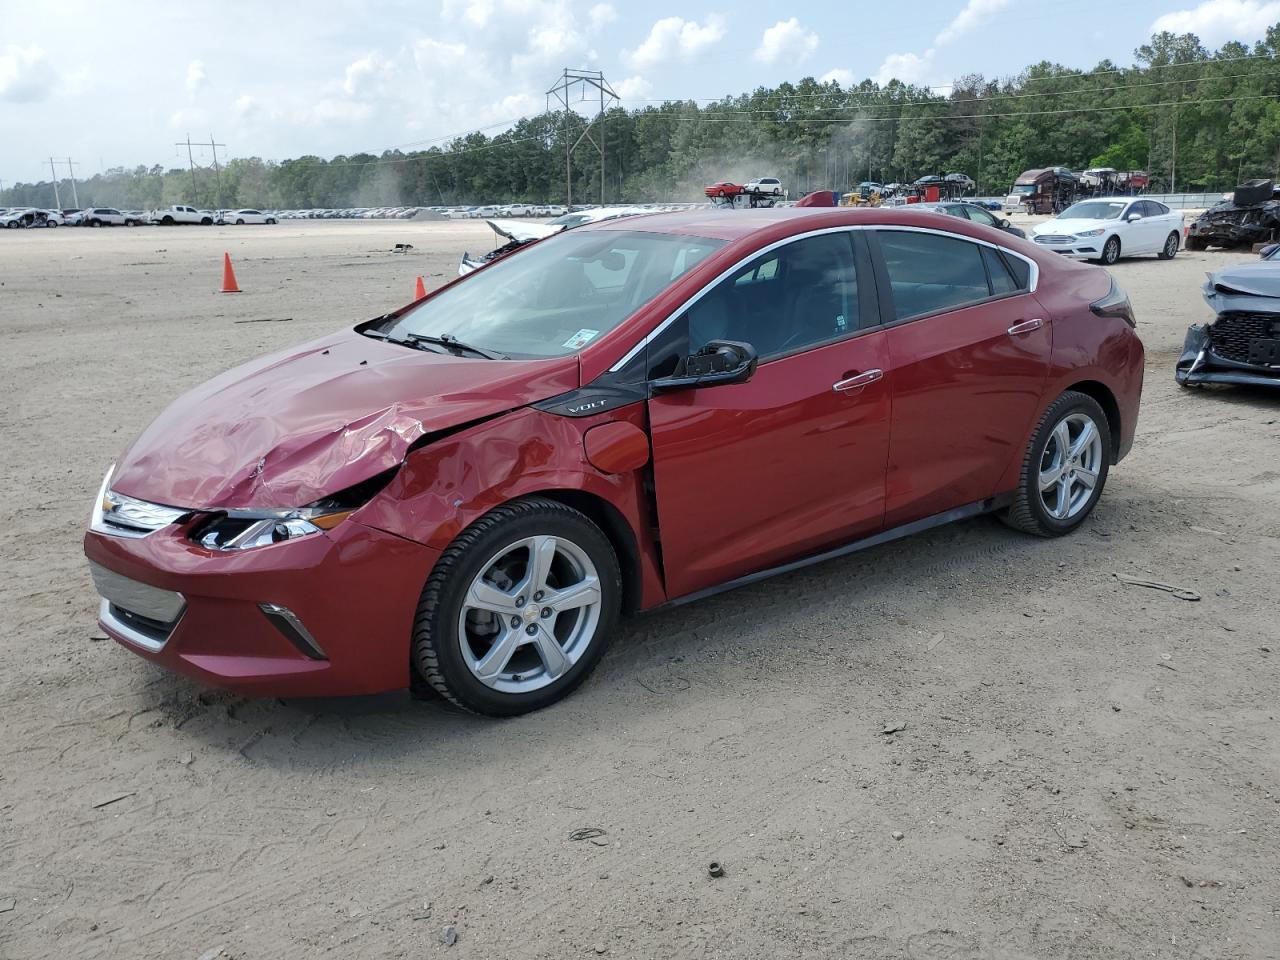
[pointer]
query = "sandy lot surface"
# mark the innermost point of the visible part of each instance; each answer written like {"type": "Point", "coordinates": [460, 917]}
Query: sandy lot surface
{"type": "Point", "coordinates": [1088, 769]}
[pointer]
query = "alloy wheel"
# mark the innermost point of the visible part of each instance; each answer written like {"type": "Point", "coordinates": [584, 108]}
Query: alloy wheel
{"type": "Point", "coordinates": [530, 614]}
{"type": "Point", "coordinates": [1070, 465]}
{"type": "Point", "coordinates": [1171, 246]}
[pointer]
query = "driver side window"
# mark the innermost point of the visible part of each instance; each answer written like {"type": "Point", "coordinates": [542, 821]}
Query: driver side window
{"type": "Point", "coordinates": [780, 302]}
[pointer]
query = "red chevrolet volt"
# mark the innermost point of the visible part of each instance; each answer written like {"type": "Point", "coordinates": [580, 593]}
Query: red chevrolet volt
{"type": "Point", "coordinates": [476, 487]}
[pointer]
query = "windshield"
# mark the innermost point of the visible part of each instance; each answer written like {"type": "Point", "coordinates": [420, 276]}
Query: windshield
{"type": "Point", "coordinates": [1025, 188]}
{"type": "Point", "coordinates": [557, 296]}
{"type": "Point", "coordinates": [1093, 210]}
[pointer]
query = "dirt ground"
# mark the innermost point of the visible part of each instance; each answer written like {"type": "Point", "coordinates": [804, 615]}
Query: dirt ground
{"type": "Point", "coordinates": [1088, 769]}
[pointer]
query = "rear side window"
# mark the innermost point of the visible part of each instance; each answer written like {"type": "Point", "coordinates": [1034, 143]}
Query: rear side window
{"type": "Point", "coordinates": [1002, 281]}
{"type": "Point", "coordinates": [1020, 269]}
{"type": "Point", "coordinates": [930, 273]}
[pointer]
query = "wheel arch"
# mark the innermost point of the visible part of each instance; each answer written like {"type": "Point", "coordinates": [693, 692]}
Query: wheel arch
{"type": "Point", "coordinates": [1101, 393]}
{"type": "Point", "coordinates": [610, 520]}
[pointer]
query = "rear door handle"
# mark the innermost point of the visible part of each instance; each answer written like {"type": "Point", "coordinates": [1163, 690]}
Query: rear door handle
{"type": "Point", "coordinates": [1026, 326]}
{"type": "Point", "coordinates": [860, 380]}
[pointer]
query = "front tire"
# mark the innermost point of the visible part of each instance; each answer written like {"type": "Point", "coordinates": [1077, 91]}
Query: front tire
{"type": "Point", "coordinates": [1064, 469]}
{"type": "Point", "coordinates": [1196, 245]}
{"type": "Point", "coordinates": [1110, 252]}
{"type": "Point", "coordinates": [1170, 248]}
{"type": "Point", "coordinates": [518, 609]}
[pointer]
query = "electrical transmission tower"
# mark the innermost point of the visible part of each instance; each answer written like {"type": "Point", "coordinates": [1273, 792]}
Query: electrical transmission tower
{"type": "Point", "coordinates": [57, 200]}
{"type": "Point", "coordinates": [75, 196]}
{"type": "Point", "coordinates": [192, 163]}
{"type": "Point", "coordinates": [582, 81]}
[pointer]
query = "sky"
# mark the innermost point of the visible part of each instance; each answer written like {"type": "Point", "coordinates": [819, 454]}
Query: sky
{"type": "Point", "coordinates": [121, 84]}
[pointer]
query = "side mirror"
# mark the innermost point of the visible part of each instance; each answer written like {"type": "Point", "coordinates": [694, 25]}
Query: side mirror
{"type": "Point", "coordinates": [1132, 217]}
{"type": "Point", "coordinates": [1003, 222]}
{"type": "Point", "coordinates": [719, 362]}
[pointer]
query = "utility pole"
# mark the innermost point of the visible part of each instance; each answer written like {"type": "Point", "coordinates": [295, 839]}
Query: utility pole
{"type": "Point", "coordinates": [57, 201]}
{"type": "Point", "coordinates": [75, 197]}
{"type": "Point", "coordinates": [1173, 162]}
{"type": "Point", "coordinates": [582, 80]}
{"type": "Point", "coordinates": [192, 163]}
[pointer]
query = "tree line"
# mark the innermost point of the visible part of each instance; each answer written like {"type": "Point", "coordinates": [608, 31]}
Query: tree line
{"type": "Point", "coordinates": [1195, 119]}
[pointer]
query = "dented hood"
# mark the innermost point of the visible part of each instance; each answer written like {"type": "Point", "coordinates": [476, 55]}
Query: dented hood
{"type": "Point", "coordinates": [523, 230]}
{"type": "Point", "coordinates": [1250, 287]}
{"type": "Point", "coordinates": [306, 422]}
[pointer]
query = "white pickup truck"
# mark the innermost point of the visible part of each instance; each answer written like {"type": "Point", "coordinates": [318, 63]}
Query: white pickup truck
{"type": "Point", "coordinates": [180, 213]}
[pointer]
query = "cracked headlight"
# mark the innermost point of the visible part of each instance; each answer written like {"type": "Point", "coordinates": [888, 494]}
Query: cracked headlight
{"type": "Point", "coordinates": [1091, 233]}
{"type": "Point", "coordinates": [246, 529]}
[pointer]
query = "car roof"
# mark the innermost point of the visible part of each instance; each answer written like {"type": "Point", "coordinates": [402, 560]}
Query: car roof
{"type": "Point", "coordinates": [737, 224]}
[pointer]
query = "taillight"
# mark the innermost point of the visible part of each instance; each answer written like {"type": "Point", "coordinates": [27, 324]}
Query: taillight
{"type": "Point", "coordinates": [1115, 304]}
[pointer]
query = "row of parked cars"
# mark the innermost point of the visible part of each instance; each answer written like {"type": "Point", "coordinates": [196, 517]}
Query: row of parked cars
{"type": "Point", "coordinates": [15, 217]}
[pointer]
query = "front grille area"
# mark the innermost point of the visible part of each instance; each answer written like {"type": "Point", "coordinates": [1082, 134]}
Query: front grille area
{"type": "Point", "coordinates": [1232, 333]}
{"type": "Point", "coordinates": [1053, 238]}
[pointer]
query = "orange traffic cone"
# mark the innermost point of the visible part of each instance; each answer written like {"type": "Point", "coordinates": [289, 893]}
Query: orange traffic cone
{"type": "Point", "coordinates": [419, 290]}
{"type": "Point", "coordinates": [228, 276]}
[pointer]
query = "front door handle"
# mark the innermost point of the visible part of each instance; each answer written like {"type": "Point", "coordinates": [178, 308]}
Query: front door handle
{"type": "Point", "coordinates": [855, 382]}
{"type": "Point", "coordinates": [1026, 326]}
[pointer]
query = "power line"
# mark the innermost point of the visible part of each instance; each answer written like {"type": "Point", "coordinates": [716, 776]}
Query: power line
{"type": "Point", "coordinates": [973, 116]}
{"type": "Point", "coordinates": [991, 97]}
{"type": "Point", "coordinates": [1019, 78]}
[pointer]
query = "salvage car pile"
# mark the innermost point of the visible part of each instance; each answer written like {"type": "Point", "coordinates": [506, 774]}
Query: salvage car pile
{"type": "Point", "coordinates": [1251, 215]}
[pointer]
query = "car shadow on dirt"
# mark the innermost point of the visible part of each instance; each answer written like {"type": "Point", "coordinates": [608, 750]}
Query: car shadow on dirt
{"type": "Point", "coordinates": [646, 668]}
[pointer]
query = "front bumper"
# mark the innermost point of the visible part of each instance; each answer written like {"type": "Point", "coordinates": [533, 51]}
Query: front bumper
{"type": "Point", "coordinates": [1229, 233]}
{"type": "Point", "coordinates": [1076, 248]}
{"type": "Point", "coordinates": [1201, 363]}
{"type": "Point", "coordinates": [326, 615]}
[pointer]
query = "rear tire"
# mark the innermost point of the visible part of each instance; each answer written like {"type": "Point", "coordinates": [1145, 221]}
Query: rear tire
{"type": "Point", "coordinates": [1170, 248]}
{"type": "Point", "coordinates": [1064, 469]}
{"type": "Point", "coordinates": [1196, 245]}
{"type": "Point", "coordinates": [483, 658]}
{"type": "Point", "coordinates": [206, 222]}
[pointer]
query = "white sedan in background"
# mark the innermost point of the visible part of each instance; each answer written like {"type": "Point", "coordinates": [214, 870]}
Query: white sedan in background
{"type": "Point", "coordinates": [1109, 228]}
{"type": "Point", "coordinates": [246, 216]}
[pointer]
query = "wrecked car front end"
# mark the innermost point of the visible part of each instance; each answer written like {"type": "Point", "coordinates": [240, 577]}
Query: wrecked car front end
{"type": "Point", "coordinates": [1230, 225]}
{"type": "Point", "coordinates": [1242, 346]}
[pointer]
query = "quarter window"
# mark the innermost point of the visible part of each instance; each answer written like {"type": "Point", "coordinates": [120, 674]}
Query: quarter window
{"type": "Point", "coordinates": [930, 273]}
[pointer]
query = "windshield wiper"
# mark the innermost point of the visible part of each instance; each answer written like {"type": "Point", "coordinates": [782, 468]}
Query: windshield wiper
{"type": "Point", "coordinates": [451, 342]}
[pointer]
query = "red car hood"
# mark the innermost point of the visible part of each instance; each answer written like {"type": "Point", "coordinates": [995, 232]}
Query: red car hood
{"type": "Point", "coordinates": [304, 423]}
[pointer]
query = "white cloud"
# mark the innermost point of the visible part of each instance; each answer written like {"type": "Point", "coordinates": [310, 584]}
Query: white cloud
{"type": "Point", "coordinates": [919, 67]}
{"type": "Point", "coordinates": [840, 75]}
{"type": "Point", "coordinates": [601, 14]}
{"type": "Point", "coordinates": [907, 67]}
{"type": "Point", "coordinates": [196, 77]}
{"type": "Point", "coordinates": [788, 41]}
{"type": "Point", "coordinates": [246, 106]}
{"type": "Point", "coordinates": [974, 14]}
{"type": "Point", "coordinates": [26, 75]}
{"type": "Point", "coordinates": [633, 88]}
{"type": "Point", "coordinates": [1217, 21]}
{"type": "Point", "coordinates": [364, 76]}
{"type": "Point", "coordinates": [676, 38]}
{"type": "Point", "coordinates": [476, 12]}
